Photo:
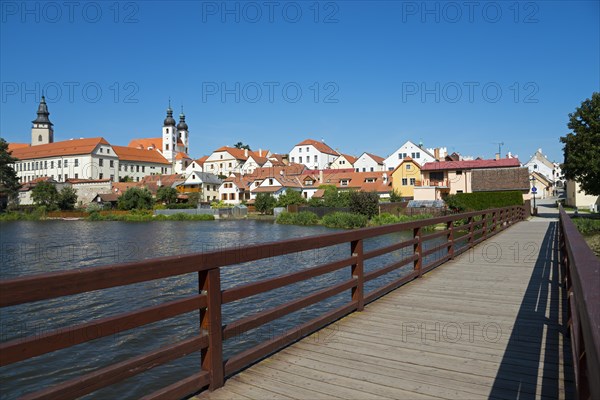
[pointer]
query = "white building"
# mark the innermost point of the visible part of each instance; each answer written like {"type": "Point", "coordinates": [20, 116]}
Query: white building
{"type": "Point", "coordinates": [417, 152]}
{"type": "Point", "coordinates": [91, 158]}
{"type": "Point", "coordinates": [539, 163]}
{"type": "Point", "coordinates": [343, 161]}
{"type": "Point", "coordinates": [314, 155]}
{"type": "Point", "coordinates": [368, 162]}
{"type": "Point", "coordinates": [578, 198]}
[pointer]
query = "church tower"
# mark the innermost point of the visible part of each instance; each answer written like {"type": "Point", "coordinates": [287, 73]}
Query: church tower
{"type": "Point", "coordinates": [182, 129]}
{"type": "Point", "coordinates": [42, 131]}
{"type": "Point", "coordinates": [169, 137]}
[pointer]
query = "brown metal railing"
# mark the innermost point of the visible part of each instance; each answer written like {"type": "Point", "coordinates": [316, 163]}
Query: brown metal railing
{"type": "Point", "coordinates": [461, 232]}
{"type": "Point", "coordinates": [581, 271]}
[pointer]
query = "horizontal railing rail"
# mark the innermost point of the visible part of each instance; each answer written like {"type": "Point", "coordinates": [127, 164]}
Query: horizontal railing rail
{"type": "Point", "coordinates": [581, 271]}
{"type": "Point", "coordinates": [459, 233]}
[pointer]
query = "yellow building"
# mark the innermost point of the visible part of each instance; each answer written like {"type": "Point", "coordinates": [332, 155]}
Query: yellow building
{"type": "Point", "coordinates": [406, 176]}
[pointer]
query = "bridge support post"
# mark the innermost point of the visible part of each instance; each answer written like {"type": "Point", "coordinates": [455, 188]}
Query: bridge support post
{"type": "Point", "coordinates": [358, 294]}
{"type": "Point", "coordinates": [210, 322]}
{"type": "Point", "coordinates": [471, 224]}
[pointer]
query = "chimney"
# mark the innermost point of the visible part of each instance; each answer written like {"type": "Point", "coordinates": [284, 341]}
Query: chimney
{"type": "Point", "coordinates": [384, 177]}
{"type": "Point", "coordinates": [321, 176]}
{"type": "Point", "coordinates": [497, 156]}
{"type": "Point", "coordinates": [436, 153]}
{"type": "Point", "coordinates": [245, 152]}
{"type": "Point", "coordinates": [260, 152]}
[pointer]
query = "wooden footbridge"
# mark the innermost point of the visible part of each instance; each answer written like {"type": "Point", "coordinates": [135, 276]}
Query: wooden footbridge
{"type": "Point", "coordinates": [513, 316]}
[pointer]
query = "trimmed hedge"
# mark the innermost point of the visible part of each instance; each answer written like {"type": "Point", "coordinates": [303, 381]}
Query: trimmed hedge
{"type": "Point", "coordinates": [483, 200]}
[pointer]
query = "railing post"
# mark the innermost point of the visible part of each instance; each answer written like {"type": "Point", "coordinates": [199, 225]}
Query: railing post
{"type": "Point", "coordinates": [484, 225]}
{"type": "Point", "coordinates": [471, 226]}
{"type": "Point", "coordinates": [358, 294]}
{"type": "Point", "coordinates": [210, 322]}
{"type": "Point", "coordinates": [494, 221]}
{"type": "Point", "coordinates": [450, 238]}
{"type": "Point", "coordinates": [418, 250]}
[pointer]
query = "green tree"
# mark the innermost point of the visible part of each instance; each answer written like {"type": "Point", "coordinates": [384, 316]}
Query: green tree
{"type": "Point", "coordinates": [582, 146]}
{"type": "Point", "coordinates": [9, 183]}
{"type": "Point", "coordinates": [67, 198]}
{"type": "Point", "coordinates": [240, 145]}
{"type": "Point", "coordinates": [264, 203]}
{"type": "Point", "coordinates": [166, 195]}
{"type": "Point", "coordinates": [365, 203]}
{"type": "Point", "coordinates": [332, 197]}
{"type": "Point", "coordinates": [136, 199]}
{"type": "Point", "coordinates": [126, 178]}
{"type": "Point", "coordinates": [45, 194]}
{"type": "Point", "coordinates": [395, 196]}
{"type": "Point", "coordinates": [290, 197]}
{"type": "Point", "coordinates": [193, 198]}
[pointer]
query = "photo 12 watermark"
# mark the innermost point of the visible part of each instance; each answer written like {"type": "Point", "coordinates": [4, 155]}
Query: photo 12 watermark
{"type": "Point", "coordinates": [70, 91]}
{"type": "Point", "coordinates": [54, 12]}
{"type": "Point", "coordinates": [469, 92]}
{"type": "Point", "coordinates": [254, 12]}
{"type": "Point", "coordinates": [471, 12]}
{"type": "Point", "coordinates": [270, 92]}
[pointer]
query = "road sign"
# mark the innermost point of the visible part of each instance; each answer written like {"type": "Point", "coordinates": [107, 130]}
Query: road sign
{"type": "Point", "coordinates": [534, 190]}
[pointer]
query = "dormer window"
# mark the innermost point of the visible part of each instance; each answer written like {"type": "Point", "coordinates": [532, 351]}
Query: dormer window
{"type": "Point", "coordinates": [370, 180]}
{"type": "Point", "coordinates": [344, 182]}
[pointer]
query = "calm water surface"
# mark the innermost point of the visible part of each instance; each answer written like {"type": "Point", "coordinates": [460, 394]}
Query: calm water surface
{"type": "Point", "coordinates": [36, 247]}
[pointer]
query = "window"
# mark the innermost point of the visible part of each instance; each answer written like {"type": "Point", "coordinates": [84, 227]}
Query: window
{"type": "Point", "coordinates": [364, 169]}
{"type": "Point", "coordinates": [292, 159]}
{"type": "Point", "coordinates": [39, 138]}
{"type": "Point", "coordinates": [300, 150]}
{"type": "Point", "coordinates": [344, 182]}
{"type": "Point", "coordinates": [66, 177]}
{"type": "Point", "coordinates": [58, 163]}
{"type": "Point", "coordinates": [229, 165]}
{"type": "Point", "coordinates": [107, 151]}
{"type": "Point", "coordinates": [112, 178]}
{"type": "Point", "coordinates": [77, 162]}
{"type": "Point", "coordinates": [437, 176]}
{"type": "Point", "coordinates": [390, 168]}
{"type": "Point", "coordinates": [371, 169]}
{"type": "Point", "coordinates": [137, 168]}
{"type": "Point", "coordinates": [300, 159]}
{"type": "Point", "coordinates": [100, 162]}
{"type": "Point", "coordinates": [316, 158]}
{"type": "Point", "coordinates": [66, 163]}
{"type": "Point", "coordinates": [412, 181]}
{"type": "Point", "coordinates": [404, 182]}
{"type": "Point", "coordinates": [76, 176]}
{"type": "Point", "coordinates": [45, 164]}
{"type": "Point", "coordinates": [459, 191]}
{"type": "Point", "coordinates": [307, 148]}
{"type": "Point", "coordinates": [101, 150]}
{"type": "Point", "coordinates": [36, 165]}
{"type": "Point", "coordinates": [370, 180]}
{"type": "Point", "coordinates": [418, 155]}
{"type": "Point", "coordinates": [270, 181]}
{"type": "Point", "coordinates": [167, 146]}
{"type": "Point", "coordinates": [308, 182]}
{"type": "Point", "coordinates": [459, 172]}
{"type": "Point", "coordinates": [143, 168]}
{"type": "Point", "coordinates": [112, 163]}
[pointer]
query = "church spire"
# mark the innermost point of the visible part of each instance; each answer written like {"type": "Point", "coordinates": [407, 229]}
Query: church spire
{"type": "Point", "coordinates": [182, 126]}
{"type": "Point", "coordinates": [169, 121]}
{"type": "Point", "coordinates": [42, 113]}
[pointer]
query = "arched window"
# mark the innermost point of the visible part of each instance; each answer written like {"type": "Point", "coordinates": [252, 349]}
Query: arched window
{"type": "Point", "coordinates": [39, 138]}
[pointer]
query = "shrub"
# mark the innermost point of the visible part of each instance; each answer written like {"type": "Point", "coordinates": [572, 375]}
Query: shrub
{"type": "Point", "coordinates": [264, 203]}
{"type": "Point", "coordinates": [67, 197]}
{"type": "Point", "coordinates": [290, 197]}
{"type": "Point", "coordinates": [301, 218]}
{"type": "Point", "coordinates": [587, 225]}
{"type": "Point", "coordinates": [332, 197]}
{"type": "Point", "coordinates": [136, 198]}
{"type": "Point", "coordinates": [344, 220]}
{"type": "Point", "coordinates": [166, 195]}
{"type": "Point", "coordinates": [384, 219]}
{"type": "Point", "coordinates": [395, 196]}
{"type": "Point", "coordinates": [219, 204]}
{"type": "Point", "coordinates": [179, 206]}
{"type": "Point", "coordinates": [365, 203]}
{"type": "Point", "coordinates": [483, 200]}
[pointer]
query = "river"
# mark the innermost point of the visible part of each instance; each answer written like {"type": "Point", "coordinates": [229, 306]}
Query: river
{"type": "Point", "coordinates": [36, 247]}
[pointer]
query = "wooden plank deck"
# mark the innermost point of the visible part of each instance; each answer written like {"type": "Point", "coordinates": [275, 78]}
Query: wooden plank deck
{"type": "Point", "coordinates": [489, 324]}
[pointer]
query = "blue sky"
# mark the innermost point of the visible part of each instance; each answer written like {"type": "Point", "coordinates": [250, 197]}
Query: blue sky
{"type": "Point", "coordinates": [363, 76]}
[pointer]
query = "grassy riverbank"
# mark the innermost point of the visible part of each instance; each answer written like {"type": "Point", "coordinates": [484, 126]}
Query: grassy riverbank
{"type": "Point", "coordinates": [590, 229]}
{"type": "Point", "coordinates": [131, 216]}
{"type": "Point", "coordinates": [344, 220]}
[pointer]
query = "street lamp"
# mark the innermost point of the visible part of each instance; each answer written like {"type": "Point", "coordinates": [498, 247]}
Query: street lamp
{"type": "Point", "coordinates": [534, 191]}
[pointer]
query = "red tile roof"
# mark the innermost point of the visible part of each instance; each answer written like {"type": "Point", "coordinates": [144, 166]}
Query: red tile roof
{"type": "Point", "coordinates": [471, 164]}
{"type": "Point", "coordinates": [351, 159]}
{"type": "Point", "coordinates": [377, 159]}
{"type": "Point", "coordinates": [322, 147]}
{"type": "Point", "coordinates": [201, 160]}
{"type": "Point", "coordinates": [181, 155]}
{"type": "Point", "coordinates": [64, 148]}
{"type": "Point", "coordinates": [155, 143]}
{"type": "Point", "coordinates": [13, 146]}
{"type": "Point", "coordinates": [132, 154]}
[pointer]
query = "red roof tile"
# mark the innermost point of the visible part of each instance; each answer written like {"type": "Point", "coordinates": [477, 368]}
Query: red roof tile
{"type": "Point", "coordinates": [322, 147]}
{"type": "Point", "coordinates": [132, 154]}
{"type": "Point", "coordinates": [471, 164]}
{"type": "Point", "coordinates": [63, 148]}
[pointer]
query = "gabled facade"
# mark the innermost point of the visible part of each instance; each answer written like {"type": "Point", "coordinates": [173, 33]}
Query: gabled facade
{"type": "Point", "coordinates": [417, 152]}
{"type": "Point", "coordinates": [201, 182]}
{"type": "Point", "coordinates": [226, 160]}
{"type": "Point", "coordinates": [580, 199]}
{"type": "Point", "coordinates": [539, 163]}
{"type": "Point", "coordinates": [405, 177]}
{"type": "Point", "coordinates": [368, 162]}
{"type": "Point", "coordinates": [313, 154]}
{"type": "Point", "coordinates": [343, 161]}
